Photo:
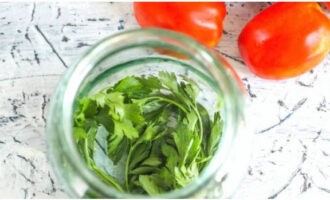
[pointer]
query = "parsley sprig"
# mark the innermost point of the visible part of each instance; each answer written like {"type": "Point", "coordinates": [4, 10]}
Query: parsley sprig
{"type": "Point", "coordinates": [156, 124]}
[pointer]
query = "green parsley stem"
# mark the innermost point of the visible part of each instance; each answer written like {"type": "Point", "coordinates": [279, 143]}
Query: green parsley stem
{"type": "Point", "coordinates": [169, 101]}
{"type": "Point", "coordinates": [107, 178]}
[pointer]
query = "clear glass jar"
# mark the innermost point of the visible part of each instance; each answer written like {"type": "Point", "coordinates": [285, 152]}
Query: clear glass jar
{"type": "Point", "coordinates": [143, 52]}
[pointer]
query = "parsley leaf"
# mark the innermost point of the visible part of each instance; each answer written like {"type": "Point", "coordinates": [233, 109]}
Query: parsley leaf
{"type": "Point", "coordinates": [215, 135]}
{"type": "Point", "coordinates": [150, 184]}
{"type": "Point", "coordinates": [117, 147]}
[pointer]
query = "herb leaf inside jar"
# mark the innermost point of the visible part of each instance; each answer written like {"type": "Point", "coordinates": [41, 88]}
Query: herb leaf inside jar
{"type": "Point", "coordinates": [155, 125]}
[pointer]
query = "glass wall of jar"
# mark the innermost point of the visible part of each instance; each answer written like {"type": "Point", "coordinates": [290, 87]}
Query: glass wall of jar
{"type": "Point", "coordinates": [145, 52]}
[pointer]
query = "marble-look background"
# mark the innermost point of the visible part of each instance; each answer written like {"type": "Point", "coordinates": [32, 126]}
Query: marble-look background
{"type": "Point", "coordinates": [39, 41]}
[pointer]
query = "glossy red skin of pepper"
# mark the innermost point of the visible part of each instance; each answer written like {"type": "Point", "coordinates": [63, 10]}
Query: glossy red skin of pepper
{"type": "Point", "coordinates": [200, 20]}
{"type": "Point", "coordinates": [285, 40]}
{"type": "Point", "coordinates": [327, 4]}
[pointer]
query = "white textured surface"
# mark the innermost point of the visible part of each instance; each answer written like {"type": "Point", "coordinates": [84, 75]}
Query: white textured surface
{"type": "Point", "coordinates": [291, 150]}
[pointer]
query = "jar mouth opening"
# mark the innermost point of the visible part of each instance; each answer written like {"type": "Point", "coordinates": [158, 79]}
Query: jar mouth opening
{"type": "Point", "coordinates": [232, 105]}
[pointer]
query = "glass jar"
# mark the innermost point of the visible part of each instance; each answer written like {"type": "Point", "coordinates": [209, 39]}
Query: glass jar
{"type": "Point", "coordinates": [144, 52]}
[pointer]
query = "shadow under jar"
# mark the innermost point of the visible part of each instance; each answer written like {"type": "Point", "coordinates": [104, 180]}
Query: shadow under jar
{"type": "Point", "coordinates": [144, 52]}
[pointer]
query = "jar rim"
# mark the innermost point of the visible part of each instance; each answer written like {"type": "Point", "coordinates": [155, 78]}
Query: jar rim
{"type": "Point", "coordinates": [67, 96]}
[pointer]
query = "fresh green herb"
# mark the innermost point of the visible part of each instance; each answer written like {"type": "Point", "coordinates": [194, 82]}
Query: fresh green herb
{"type": "Point", "coordinates": [156, 125]}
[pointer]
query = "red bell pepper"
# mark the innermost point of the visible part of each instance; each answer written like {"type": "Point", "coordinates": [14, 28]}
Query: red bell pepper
{"type": "Point", "coordinates": [200, 20]}
{"type": "Point", "coordinates": [285, 40]}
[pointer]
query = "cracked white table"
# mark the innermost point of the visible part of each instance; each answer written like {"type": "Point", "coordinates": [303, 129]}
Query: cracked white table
{"type": "Point", "coordinates": [39, 41]}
